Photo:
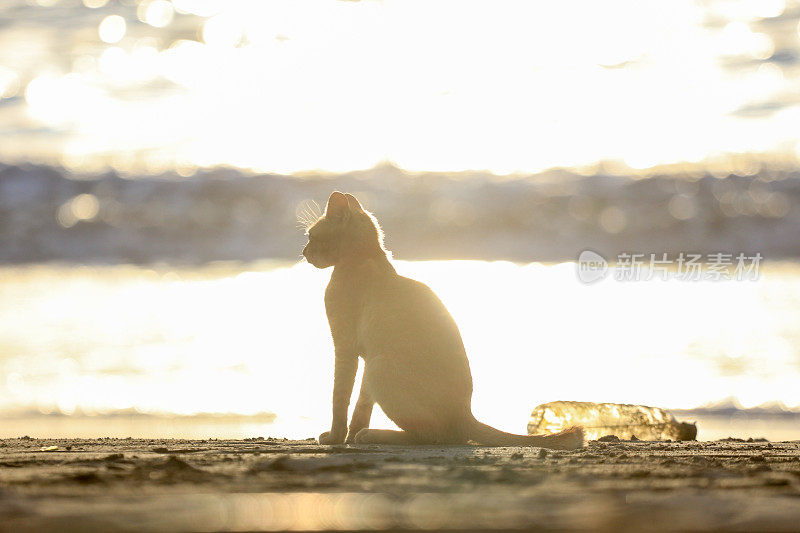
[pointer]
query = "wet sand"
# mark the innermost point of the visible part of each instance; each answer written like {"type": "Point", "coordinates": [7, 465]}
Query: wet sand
{"type": "Point", "coordinates": [269, 484]}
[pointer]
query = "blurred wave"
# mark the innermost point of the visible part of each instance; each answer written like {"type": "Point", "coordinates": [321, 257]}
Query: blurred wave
{"type": "Point", "coordinates": [49, 214]}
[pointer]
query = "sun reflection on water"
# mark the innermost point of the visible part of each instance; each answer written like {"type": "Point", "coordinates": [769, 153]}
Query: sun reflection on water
{"type": "Point", "coordinates": [102, 340]}
{"type": "Point", "coordinates": [322, 84]}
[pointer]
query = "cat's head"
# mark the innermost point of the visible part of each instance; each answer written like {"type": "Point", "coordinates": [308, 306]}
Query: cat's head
{"type": "Point", "coordinates": [345, 233]}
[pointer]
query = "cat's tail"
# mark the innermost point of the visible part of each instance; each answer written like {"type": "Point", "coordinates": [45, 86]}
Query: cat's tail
{"type": "Point", "coordinates": [569, 439]}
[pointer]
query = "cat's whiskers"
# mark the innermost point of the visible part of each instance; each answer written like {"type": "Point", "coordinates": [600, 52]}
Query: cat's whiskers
{"type": "Point", "coordinates": [308, 214]}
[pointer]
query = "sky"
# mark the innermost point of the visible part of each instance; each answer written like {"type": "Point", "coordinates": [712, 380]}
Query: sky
{"type": "Point", "coordinates": [288, 86]}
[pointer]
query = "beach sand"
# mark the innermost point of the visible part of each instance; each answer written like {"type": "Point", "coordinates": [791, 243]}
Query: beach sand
{"type": "Point", "coordinates": [270, 484]}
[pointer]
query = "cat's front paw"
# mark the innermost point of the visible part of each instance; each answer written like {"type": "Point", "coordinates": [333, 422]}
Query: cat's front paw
{"type": "Point", "coordinates": [351, 435]}
{"type": "Point", "coordinates": [331, 438]}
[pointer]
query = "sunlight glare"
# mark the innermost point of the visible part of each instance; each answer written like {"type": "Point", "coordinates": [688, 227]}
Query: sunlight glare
{"type": "Point", "coordinates": [507, 87]}
{"type": "Point", "coordinates": [112, 29]}
{"type": "Point", "coordinates": [184, 333]}
{"type": "Point", "coordinates": [157, 13]}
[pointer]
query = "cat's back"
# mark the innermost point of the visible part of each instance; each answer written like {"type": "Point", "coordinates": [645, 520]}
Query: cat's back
{"type": "Point", "coordinates": [407, 310]}
{"type": "Point", "coordinates": [406, 295]}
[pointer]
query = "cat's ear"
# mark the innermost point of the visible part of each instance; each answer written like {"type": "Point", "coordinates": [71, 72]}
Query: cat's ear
{"type": "Point", "coordinates": [353, 203]}
{"type": "Point", "coordinates": [337, 206]}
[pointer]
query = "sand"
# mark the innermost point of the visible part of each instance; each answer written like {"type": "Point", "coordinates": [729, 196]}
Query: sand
{"type": "Point", "coordinates": [257, 484]}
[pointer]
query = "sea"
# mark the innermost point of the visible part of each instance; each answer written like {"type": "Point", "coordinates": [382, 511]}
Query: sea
{"type": "Point", "coordinates": [243, 350]}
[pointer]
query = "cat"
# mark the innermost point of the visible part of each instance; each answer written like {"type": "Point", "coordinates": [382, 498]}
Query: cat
{"type": "Point", "coordinates": [415, 367]}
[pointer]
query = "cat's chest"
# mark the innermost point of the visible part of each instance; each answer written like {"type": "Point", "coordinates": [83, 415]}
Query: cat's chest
{"type": "Point", "coordinates": [341, 304]}
{"type": "Point", "coordinates": [345, 307]}
{"type": "Point", "coordinates": [356, 319]}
